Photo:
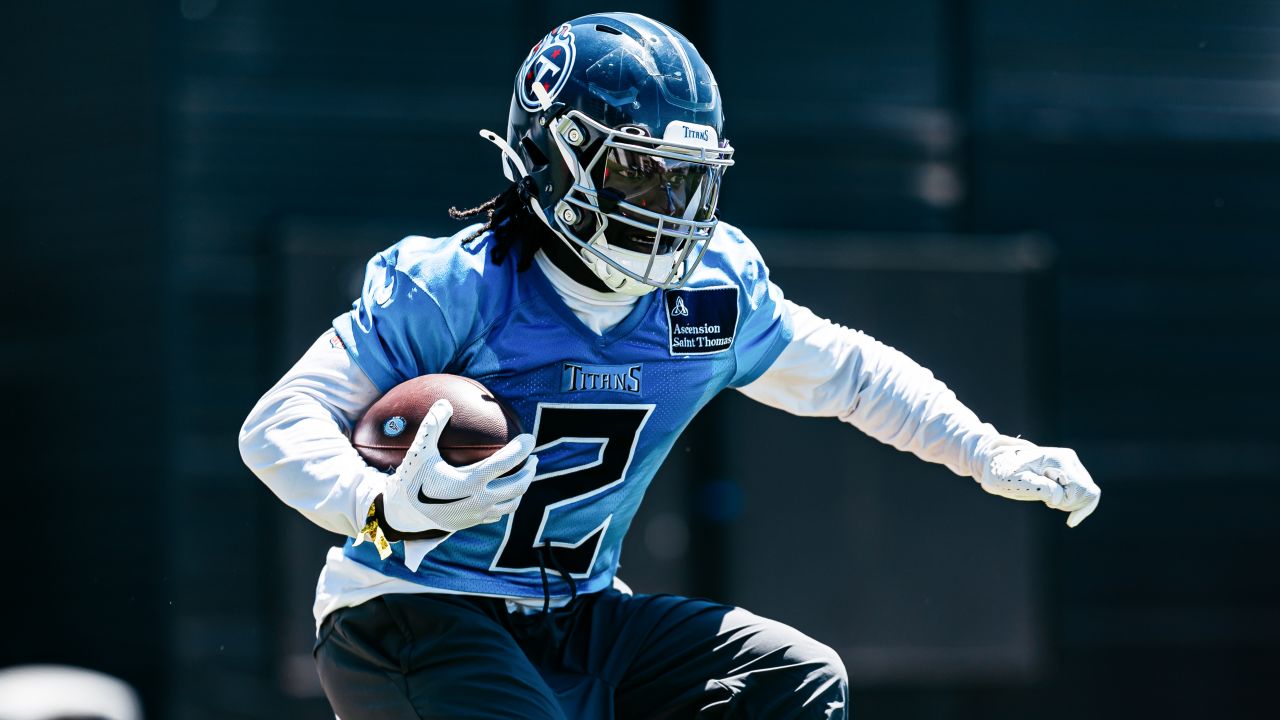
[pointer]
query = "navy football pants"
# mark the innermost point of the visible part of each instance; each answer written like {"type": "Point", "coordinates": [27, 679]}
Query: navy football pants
{"type": "Point", "coordinates": [605, 655]}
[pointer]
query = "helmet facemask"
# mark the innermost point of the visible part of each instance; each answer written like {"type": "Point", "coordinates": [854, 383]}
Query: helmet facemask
{"type": "Point", "coordinates": [641, 210]}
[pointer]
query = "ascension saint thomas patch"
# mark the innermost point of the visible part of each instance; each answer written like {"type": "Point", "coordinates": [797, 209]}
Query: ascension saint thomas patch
{"type": "Point", "coordinates": [702, 321]}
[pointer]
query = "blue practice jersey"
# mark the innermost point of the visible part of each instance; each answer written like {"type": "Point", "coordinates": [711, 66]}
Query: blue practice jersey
{"type": "Point", "coordinates": [604, 410]}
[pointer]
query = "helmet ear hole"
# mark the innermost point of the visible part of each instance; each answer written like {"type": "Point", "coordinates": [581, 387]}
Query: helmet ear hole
{"type": "Point", "coordinates": [535, 155]}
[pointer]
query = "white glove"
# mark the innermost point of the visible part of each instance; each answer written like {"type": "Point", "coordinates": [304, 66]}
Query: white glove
{"type": "Point", "coordinates": [1020, 470]}
{"type": "Point", "coordinates": [429, 498]}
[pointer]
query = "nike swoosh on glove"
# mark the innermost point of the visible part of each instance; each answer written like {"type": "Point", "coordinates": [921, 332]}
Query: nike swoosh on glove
{"type": "Point", "coordinates": [1020, 470]}
{"type": "Point", "coordinates": [428, 494]}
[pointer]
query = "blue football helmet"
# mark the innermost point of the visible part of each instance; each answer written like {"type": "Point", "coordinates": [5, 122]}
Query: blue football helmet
{"type": "Point", "coordinates": [615, 135]}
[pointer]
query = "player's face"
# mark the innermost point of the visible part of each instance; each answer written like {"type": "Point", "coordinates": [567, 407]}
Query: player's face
{"type": "Point", "coordinates": [666, 186]}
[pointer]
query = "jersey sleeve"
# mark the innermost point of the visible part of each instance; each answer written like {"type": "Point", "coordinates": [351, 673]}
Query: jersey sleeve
{"type": "Point", "coordinates": [833, 371]}
{"type": "Point", "coordinates": [396, 329]}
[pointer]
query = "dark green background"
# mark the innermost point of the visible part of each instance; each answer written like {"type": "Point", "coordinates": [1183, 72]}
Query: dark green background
{"type": "Point", "coordinates": [153, 154]}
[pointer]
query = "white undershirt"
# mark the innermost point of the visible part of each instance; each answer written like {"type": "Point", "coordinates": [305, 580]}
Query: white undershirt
{"type": "Point", "coordinates": [296, 439]}
{"type": "Point", "coordinates": [597, 309]}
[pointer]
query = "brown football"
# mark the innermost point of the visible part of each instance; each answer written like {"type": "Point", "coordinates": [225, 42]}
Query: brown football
{"type": "Point", "coordinates": [481, 424]}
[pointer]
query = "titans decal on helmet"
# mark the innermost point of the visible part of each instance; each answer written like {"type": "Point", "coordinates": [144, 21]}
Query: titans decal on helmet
{"type": "Point", "coordinates": [549, 63]}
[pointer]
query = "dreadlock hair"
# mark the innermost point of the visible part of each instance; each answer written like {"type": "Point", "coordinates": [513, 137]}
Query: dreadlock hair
{"type": "Point", "coordinates": [513, 225]}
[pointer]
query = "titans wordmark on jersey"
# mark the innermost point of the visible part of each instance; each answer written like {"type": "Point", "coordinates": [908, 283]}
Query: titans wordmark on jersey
{"type": "Point", "coordinates": [604, 409]}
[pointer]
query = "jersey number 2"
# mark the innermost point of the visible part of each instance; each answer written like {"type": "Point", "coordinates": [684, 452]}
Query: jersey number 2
{"type": "Point", "coordinates": [615, 428]}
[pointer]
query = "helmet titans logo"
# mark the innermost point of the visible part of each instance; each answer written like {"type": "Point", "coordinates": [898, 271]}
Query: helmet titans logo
{"type": "Point", "coordinates": [549, 64]}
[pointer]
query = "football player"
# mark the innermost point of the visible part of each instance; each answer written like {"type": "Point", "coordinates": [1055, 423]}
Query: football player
{"type": "Point", "coordinates": [603, 300]}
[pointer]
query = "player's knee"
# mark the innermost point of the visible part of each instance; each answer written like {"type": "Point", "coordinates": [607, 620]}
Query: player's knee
{"type": "Point", "coordinates": [827, 665]}
{"type": "Point", "coordinates": [826, 683]}
{"type": "Point", "coordinates": [805, 678]}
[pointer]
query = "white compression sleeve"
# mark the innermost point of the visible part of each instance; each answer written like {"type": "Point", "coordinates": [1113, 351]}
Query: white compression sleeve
{"type": "Point", "coordinates": [296, 438]}
{"type": "Point", "coordinates": [832, 371]}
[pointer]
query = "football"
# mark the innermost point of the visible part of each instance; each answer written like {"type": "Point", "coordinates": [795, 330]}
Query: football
{"type": "Point", "coordinates": [481, 424]}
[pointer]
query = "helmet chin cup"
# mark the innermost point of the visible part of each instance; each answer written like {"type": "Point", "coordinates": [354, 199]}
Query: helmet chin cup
{"type": "Point", "coordinates": [603, 260]}
{"type": "Point", "coordinates": [617, 268]}
{"type": "Point", "coordinates": [623, 271]}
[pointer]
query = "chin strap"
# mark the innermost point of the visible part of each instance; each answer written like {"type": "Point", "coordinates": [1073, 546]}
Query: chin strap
{"type": "Point", "coordinates": [512, 160]}
{"type": "Point", "coordinates": [508, 156]}
{"type": "Point", "coordinates": [508, 153]}
{"type": "Point", "coordinates": [616, 281]}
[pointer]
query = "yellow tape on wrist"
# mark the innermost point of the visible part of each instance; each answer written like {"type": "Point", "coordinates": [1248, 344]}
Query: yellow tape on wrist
{"type": "Point", "coordinates": [373, 533]}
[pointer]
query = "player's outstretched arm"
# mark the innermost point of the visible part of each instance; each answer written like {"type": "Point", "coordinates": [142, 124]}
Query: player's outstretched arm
{"type": "Point", "coordinates": [833, 371]}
